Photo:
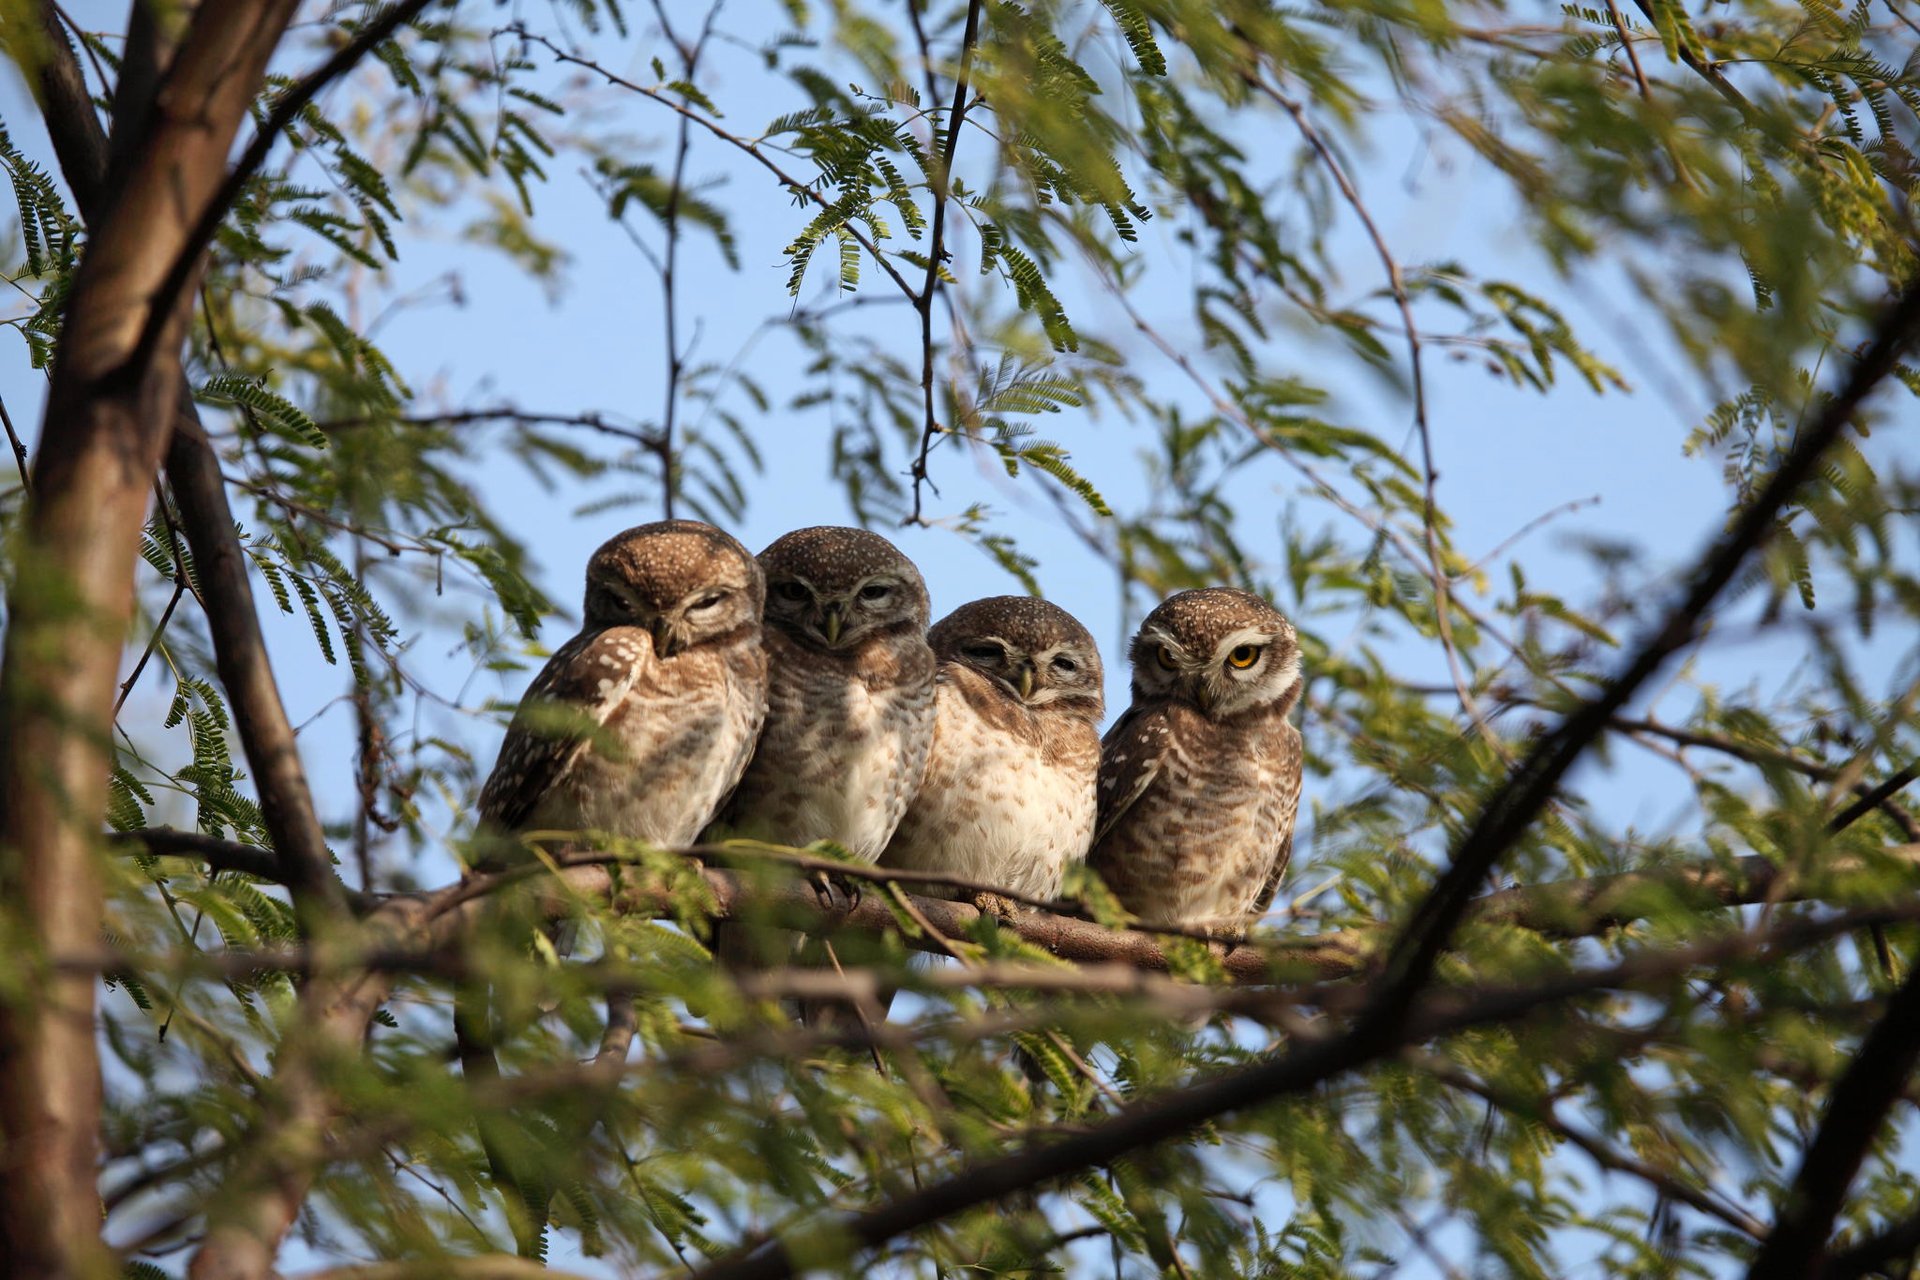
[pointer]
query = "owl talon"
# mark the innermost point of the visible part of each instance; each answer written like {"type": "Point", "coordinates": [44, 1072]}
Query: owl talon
{"type": "Point", "coordinates": [995, 905]}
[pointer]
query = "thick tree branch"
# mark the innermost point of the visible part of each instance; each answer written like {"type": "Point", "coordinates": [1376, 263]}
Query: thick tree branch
{"type": "Point", "coordinates": [1308, 1063]}
{"type": "Point", "coordinates": [1508, 813]}
{"type": "Point", "coordinates": [1561, 908]}
{"type": "Point", "coordinates": [240, 652]}
{"type": "Point", "coordinates": [69, 607]}
{"type": "Point", "coordinates": [1856, 1109]}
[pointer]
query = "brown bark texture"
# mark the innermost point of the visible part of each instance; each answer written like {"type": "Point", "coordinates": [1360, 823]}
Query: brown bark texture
{"type": "Point", "coordinates": [69, 607]}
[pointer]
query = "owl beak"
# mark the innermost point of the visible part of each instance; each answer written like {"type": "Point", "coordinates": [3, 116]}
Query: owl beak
{"type": "Point", "coordinates": [835, 622]}
{"type": "Point", "coordinates": [662, 637]}
{"type": "Point", "coordinates": [1026, 681]}
{"type": "Point", "coordinates": [1204, 695]}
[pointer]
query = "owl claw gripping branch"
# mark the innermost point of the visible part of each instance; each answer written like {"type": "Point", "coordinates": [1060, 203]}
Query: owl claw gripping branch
{"type": "Point", "coordinates": [801, 697]}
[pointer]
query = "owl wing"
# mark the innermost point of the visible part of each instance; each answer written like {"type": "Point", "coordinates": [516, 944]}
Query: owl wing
{"type": "Point", "coordinates": [1130, 760]}
{"type": "Point", "coordinates": [1292, 763]}
{"type": "Point", "coordinates": [562, 712]}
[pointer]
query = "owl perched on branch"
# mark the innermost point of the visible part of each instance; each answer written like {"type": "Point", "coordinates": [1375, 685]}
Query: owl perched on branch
{"type": "Point", "coordinates": [1200, 779]}
{"type": "Point", "coordinates": [850, 693]}
{"type": "Point", "coordinates": [850, 704]}
{"type": "Point", "coordinates": [1008, 797]}
{"type": "Point", "coordinates": [643, 722]}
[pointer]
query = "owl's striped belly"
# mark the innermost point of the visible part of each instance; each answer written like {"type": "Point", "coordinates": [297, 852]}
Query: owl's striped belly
{"type": "Point", "coordinates": [1197, 847]}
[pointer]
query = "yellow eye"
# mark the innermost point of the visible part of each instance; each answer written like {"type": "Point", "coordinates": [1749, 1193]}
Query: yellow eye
{"type": "Point", "coordinates": [1244, 656]}
{"type": "Point", "coordinates": [1164, 656]}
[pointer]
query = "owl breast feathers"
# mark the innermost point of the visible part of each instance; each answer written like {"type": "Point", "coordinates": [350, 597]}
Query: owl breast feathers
{"type": "Point", "coordinates": [642, 723]}
{"type": "Point", "coordinates": [1008, 797]}
{"type": "Point", "coordinates": [1200, 778]}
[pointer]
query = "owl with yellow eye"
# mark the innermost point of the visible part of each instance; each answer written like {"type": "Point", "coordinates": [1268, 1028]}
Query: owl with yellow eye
{"type": "Point", "coordinates": [1200, 778]}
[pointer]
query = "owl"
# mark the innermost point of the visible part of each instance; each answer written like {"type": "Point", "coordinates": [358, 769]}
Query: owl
{"type": "Point", "coordinates": [849, 706]}
{"type": "Point", "coordinates": [1008, 796]}
{"type": "Point", "coordinates": [850, 693]}
{"type": "Point", "coordinates": [1200, 779]}
{"type": "Point", "coordinates": [641, 724]}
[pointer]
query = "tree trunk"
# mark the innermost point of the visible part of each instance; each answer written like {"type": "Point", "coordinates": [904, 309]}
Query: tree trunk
{"type": "Point", "coordinates": [108, 413]}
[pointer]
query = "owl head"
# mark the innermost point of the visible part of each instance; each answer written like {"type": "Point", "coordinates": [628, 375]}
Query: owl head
{"type": "Point", "coordinates": [1036, 652]}
{"type": "Point", "coordinates": [685, 582]}
{"type": "Point", "coordinates": [1225, 651]}
{"type": "Point", "coordinates": [831, 588]}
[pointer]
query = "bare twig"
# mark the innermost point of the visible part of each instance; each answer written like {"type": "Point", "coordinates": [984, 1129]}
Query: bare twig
{"type": "Point", "coordinates": [153, 641]}
{"type": "Point", "coordinates": [669, 262]}
{"type": "Point", "coordinates": [750, 146]}
{"type": "Point", "coordinates": [19, 447]}
{"type": "Point", "coordinates": [503, 413]}
{"type": "Point", "coordinates": [1429, 517]}
{"type": "Point", "coordinates": [941, 184]}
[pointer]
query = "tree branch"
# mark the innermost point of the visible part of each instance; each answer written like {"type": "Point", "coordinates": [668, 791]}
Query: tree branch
{"type": "Point", "coordinates": [941, 190]}
{"type": "Point", "coordinates": [71, 601]}
{"type": "Point", "coordinates": [1507, 814]}
{"type": "Point", "coordinates": [1857, 1106]}
{"type": "Point", "coordinates": [240, 652]}
{"type": "Point", "coordinates": [286, 108]}
{"type": "Point", "coordinates": [1307, 1064]}
{"type": "Point", "coordinates": [1562, 908]}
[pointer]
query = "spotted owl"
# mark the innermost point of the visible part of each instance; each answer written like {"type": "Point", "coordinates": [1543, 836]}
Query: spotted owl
{"type": "Point", "coordinates": [643, 722]}
{"type": "Point", "coordinates": [1008, 796]}
{"type": "Point", "coordinates": [1200, 779]}
{"type": "Point", "coordinates": [849, 697]}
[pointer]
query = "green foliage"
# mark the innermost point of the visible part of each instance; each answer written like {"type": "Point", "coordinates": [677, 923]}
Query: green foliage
{"type": "Point", "coordinates": [1161, 228]}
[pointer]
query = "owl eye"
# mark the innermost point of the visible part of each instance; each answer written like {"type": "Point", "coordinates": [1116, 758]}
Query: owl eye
{"type": "Point", "coordinates": [1164, 656]}
{"type": "Point", "coordinates": [1065, 666]}
{"type": "Point", "coordinates": [790, 591]}
{"type": "Point", "coordinates": [875, 591]}
{"type": "Point", "coordinates": [1244, 656]}
{"type": "Point", "coordinates": [709, 600]}
{"type": "Point", "coordinates": [982, 652]}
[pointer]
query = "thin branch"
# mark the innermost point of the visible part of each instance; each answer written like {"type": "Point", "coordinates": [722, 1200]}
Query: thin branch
{"type": "Point", "coordinates": [670, 216]}
{"type": "Point", "coordinates": [19, 447]}
{"type": "Point", "coordinates": [286, 109]}
{"type": "Point", "coordinates": [501, 413]}
{"type": "Point", "coordinates": [153, 641]}
{"type": "Point", "coordinates": [1429, 517]}
{"type": "Point", "coordinates": [750, 146]}
{"type": "Point", "coordinates": [941, 176]}
{"type": "Point", "coordinates": [1542, 1113]}
{"type": "Point", "coordinates": [1626, 42]}
{"type": "Point", "coordinates": [496, 1266]}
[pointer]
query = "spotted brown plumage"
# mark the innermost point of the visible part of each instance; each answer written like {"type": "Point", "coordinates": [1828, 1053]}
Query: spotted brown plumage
{"type": "Point", "coordinates": [1200, 778]}
{"type": "Point", "coordinates": [642, 723]}
{"type": "Point", "coordinates": [850, 695]}
{"type": "Point", "coordinates": [1008, 796]}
